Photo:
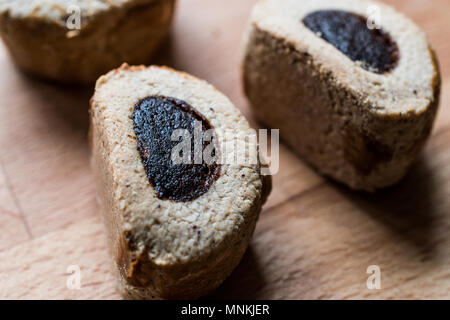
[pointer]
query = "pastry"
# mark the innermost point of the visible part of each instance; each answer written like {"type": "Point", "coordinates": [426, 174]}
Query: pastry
{"type": "Point", "coordinates": [76, 41]}
{"type": "Point", "coordinates": [176, 230]}
{"type": "Point", "coordinates": [355, 96]}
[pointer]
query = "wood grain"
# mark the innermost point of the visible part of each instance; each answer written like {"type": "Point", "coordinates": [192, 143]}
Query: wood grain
{"type": "Point", "coordinates": [315, 239]}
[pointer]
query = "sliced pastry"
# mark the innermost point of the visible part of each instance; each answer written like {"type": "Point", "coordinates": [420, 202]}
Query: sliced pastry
{"type": "Point", "coordinates": [352, 85]}
{"type": "Point", "coordinates": [76, 41]}
{"type": "Point", "coordinates": [176, 228]}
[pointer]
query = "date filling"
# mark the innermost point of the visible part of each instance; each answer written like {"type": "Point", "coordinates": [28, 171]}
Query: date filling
{"type": "Point", "coordinates": [373, 48]}
{"type": "Point", "coordinates": [167, 130]}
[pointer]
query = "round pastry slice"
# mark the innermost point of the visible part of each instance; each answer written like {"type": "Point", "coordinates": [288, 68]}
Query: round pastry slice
{"type": "Point", "coordinates": [76, 41]}
{"type": "Point", "coordinates": [177, 229]}
{"type": "Point", "coordinates": [352, 85]}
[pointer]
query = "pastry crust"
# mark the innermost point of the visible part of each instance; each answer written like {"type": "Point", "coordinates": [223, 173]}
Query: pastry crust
{"type": "Point", "coordinates": [112, 32]}
{"type": "Point", "coordinates": [361, 128]}
{"type": "Point", "coordinates": [161, 248]}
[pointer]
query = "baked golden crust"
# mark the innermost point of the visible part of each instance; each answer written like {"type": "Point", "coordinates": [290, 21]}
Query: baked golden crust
{"type": "Point", "coordinates": [111, 33]}
{"type": "Point", "coordinates": [358, 127]}
{"type": "Point", "coordinates": [161, 248]}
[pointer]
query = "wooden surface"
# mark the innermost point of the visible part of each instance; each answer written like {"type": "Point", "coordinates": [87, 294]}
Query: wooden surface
{"type": "Point", "coordinates": [315, 239]}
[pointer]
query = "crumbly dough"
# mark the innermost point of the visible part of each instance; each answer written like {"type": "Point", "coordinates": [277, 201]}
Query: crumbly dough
{"type": "Point", "coordinates": [161, 248]}
{"type": "Point", "coordinates": [112, 32]}
{"type": "Point", "coordinates": [361, 128]}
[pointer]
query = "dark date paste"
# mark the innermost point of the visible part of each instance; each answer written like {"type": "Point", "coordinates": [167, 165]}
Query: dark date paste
{"type": "Point", "coordinates": [155, 120]}
{"type": "Point", "coordinates": [349, 33]}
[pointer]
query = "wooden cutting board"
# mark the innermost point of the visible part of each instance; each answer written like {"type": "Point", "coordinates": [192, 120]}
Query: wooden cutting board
{"type": "Point", "coordinates": [315, 239]}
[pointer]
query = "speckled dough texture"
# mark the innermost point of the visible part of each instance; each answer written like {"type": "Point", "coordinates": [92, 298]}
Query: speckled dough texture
{"type": "Point", "coordinates": [111, 32]}
{"type": "Point", "coordinates": [359, 127]}
{"type": "Point", "coordinates": [161, 248]}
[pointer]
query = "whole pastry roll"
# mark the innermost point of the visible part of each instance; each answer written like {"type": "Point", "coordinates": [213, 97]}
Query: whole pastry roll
{"type": "Point", "coordinates": [176, 229]}
{"type": "Point", "coordinates": [352, 85]}
{"type": "Point", "coordinates": [76, 41]}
